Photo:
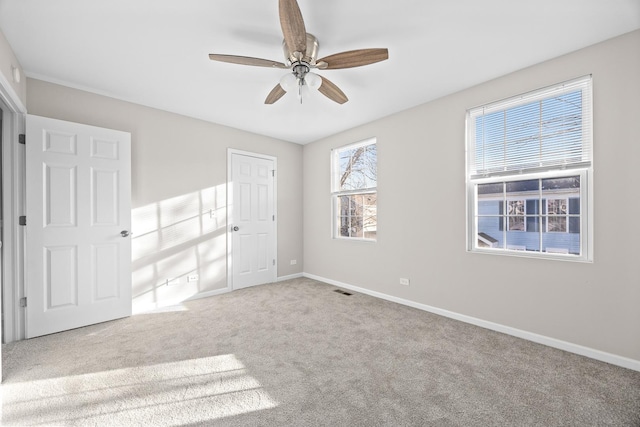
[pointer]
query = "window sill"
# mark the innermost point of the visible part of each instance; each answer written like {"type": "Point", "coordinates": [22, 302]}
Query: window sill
{"type": "Point", "coordinates": [531, 254]}
{"type": "Point", "coordinates": [355, 239]}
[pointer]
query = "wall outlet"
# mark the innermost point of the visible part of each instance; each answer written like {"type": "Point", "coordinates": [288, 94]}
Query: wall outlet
{"type": "Point", "coordinates": [193, 278]}
{"type": "Point", "coordinates": [294, 261]}
{"type": "Point", "coordinates": [173, 282]}
{"type": "Point", "coordinates": [404, 282]}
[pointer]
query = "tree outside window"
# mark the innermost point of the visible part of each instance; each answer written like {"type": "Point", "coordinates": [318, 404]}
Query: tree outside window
{"type": "Point", "coordinates": [355, 199]}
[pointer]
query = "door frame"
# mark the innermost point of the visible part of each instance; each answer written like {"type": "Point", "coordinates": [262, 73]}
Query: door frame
{"type": "Point", "coordinates": [13, 180]}
{"type": "Point", "coordinates": [230, 153]}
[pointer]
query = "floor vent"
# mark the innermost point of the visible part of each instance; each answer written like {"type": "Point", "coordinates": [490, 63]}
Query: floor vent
{"type": "Point", "coordinates": [340, 291]}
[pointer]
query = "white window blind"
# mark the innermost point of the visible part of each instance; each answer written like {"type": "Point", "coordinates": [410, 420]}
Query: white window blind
{"type": "Point", "coordinates": [546, 129]}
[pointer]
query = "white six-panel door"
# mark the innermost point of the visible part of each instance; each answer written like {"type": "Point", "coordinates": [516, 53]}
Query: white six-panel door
{"type": "Point", "coordinates": [78, 263]}
{"type": "Point", "coordinates": [253, 221]}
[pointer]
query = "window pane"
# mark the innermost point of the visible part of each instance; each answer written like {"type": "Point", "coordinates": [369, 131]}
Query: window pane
{"type": "Point", "coordinates": [495, 189]}
{"type": "Point", "coordinates": [533, 224]}
{"type": "Point", "coordinates": [516, 223]}
{"type": "Point", "coordinates": [489, 234]}
{"type": "Point", "coordinates": [529, 242]}
{"type": "Point", "coordinates": [515, 207]}
{"type": "Point", "coordinates": [357, 168]}
{"type": "Point", "coordinates": [561, 243]}
{"type": "Point", "coordinates": [530, 185]}
{"type": "Point", "coordinates": [557, 224]}
{"type": "Point", "coordinates": [566, 183]}
{"type": "Point", "coordinates": [370, 215]}
{"type": "Point", "coordinates": [343, 228]}
{"type": "Point", "coordinates": [358, 216]}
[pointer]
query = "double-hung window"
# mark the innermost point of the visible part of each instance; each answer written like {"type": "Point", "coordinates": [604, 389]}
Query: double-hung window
{"type": "Point", "coordinates": [529, 173]}
{"type": "Point", "coordinates": [354, 179]}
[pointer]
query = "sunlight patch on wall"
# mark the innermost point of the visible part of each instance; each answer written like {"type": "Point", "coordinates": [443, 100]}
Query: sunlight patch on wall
{"type": "Point", "coordinates": [179, 248]}
{"type": "Point", "coordinates": [174, 393]}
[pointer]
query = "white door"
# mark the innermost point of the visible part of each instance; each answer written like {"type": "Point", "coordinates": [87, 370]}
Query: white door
{"type": "Point", "coordinates": [78, 263]}
{"type": "Point", "coordinates": [252, 221]}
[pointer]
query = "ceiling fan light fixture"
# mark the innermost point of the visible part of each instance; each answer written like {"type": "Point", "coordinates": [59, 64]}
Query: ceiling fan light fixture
{"type": "Point", "coordinates": [289, 82]}
{"type": "Point", "coordinates": [313, 80]}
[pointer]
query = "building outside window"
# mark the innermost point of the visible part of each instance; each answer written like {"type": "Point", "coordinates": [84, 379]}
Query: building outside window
{"type": "Point", "coordinates": [354, 191]}
{"type": "Point", "coordinates": [529, 172]}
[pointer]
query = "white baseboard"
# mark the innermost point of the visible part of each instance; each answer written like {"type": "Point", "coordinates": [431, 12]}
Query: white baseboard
{"type": "Point", "coordinates": [289, 277]}
{"type": "Point", "coordinates": [209, 294]}
{"type": "Point", "coordinates": [613, 359]}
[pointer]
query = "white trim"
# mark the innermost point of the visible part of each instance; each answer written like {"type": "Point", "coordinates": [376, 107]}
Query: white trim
{"type": "Point", "coordinates": [582, 83]}
{"type": "Point", "coordinates": [289, 277]}
{"type": "Point", "coordinates": [13, 206]}
{"type": "Point", "coordinates": [208, 294]}
{"type": "Point", "coordinates": [9, 96]}
{"type": "Point", "coordinates": [602, 356]}
{"type": "Point", "coordinates": [230, 152]}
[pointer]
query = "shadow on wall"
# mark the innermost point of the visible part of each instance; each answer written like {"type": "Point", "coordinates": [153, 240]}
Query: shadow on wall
{"type": "Point", "coordinates": [179, 248]}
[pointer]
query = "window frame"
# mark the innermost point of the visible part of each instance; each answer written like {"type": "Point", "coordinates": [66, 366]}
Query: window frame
{"type": "Point", "coordinates": [336, 193]}
{"type": "Point", "coordinates": [583, 169]}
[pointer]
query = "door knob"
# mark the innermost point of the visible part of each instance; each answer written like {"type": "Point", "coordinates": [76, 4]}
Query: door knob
{"type": "Point", "coordinates": [236, 228]}
{"type": "Point", "coordinates": [124, 233]}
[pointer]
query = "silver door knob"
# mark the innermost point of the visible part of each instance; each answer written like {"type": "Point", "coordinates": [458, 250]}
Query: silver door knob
{"type": "Point", "coordinates": [124, 233]}
{"type": "Point", "coordinates": [236, 228]}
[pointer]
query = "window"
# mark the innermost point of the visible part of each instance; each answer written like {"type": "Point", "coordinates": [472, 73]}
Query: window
{"type": "Point", "coordinates": [529, 172]}
{"type": "Point", "coordinates": [354, 193]}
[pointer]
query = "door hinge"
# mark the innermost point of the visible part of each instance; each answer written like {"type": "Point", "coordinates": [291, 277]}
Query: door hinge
{"type": "Point", "coordinates": [274, 262]}
{"type": "Point", "coordinates": [22, 138]}
{"type": "Point", "coordinates": [23, 302]}
{"type": "Point", "coordinates": [273, 172]}
{"type": "Point", "coordinates": [22, 220]}
{"type": "Point", "coordinates": [273, 217]}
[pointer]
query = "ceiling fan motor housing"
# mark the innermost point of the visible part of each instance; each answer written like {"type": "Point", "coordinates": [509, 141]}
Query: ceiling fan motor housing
{"type": "Point", "coordinates": [310, 55]}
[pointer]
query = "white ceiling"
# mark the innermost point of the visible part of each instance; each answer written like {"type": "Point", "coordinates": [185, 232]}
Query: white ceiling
{"type": "Point", "coordinates": [154, 52]}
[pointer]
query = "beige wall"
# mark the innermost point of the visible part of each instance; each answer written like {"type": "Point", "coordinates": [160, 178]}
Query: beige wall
{"type": "Point", "coordinates": [179, 171]}
{"type": "Point", "coordinates": [8, 61]}
{"type": "Point", "coordinates": [421, 213]}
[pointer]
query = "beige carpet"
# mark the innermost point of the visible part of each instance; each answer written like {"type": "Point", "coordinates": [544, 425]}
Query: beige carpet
{"type": "Point", "coordinates": [298, 353]}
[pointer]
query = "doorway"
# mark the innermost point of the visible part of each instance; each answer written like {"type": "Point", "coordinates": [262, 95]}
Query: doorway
{"type": "Point", "coordinates": [252, 219]}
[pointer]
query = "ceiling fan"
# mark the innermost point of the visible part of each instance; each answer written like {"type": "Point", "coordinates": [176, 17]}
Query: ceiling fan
{"type": "Point", "coordinates": [301, 52]}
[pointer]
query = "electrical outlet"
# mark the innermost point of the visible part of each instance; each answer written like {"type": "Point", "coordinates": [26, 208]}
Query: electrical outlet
{"type": "Point", "coordinates": [404, 282]}
{"type": "Point", "coordinates": [173, 282]}
{"type": "Point", "coordinates": [294, 261]}
{"type": "Point", "coordinates": [193, 278]}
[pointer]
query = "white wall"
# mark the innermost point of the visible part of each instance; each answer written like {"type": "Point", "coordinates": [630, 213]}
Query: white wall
{"type": "Point", "coordinates": [179, 172]}
{"type": "Point", "coordinates": [421, 213]}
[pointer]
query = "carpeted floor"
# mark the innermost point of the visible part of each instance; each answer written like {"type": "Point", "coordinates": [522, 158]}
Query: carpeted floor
{"type": "Point", "coordinates": [298, 353]}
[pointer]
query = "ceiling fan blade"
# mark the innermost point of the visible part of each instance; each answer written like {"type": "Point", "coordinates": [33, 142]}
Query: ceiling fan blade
{"type": "Point", "coordinates": [332, 91]}
{"type": "Point", "coordinates": [247, 60]}
{"type": "Point", "coordinates": [275, 94]}
{"type": "Point", "coordinates": [295, 34]}
{"type": "Point", "coordinates": [353, 58]}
